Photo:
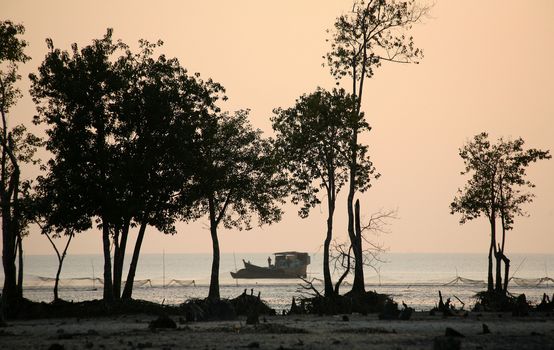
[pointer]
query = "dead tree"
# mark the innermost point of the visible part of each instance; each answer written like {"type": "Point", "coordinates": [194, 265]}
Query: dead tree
{"type": "Point", "coordinates": [342, 258]}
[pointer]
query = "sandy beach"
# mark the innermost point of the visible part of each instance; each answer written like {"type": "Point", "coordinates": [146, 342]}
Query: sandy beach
{"type": "Point", "coordinates": [279, 332]}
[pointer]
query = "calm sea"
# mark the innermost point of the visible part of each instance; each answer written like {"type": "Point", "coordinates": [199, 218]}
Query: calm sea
{"type": "Point", "coordinates": [413, 278]}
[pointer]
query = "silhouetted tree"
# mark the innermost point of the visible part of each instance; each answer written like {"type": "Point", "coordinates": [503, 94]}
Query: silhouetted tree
{"type": "Point", "coordinates": [121, 129]}
{"type": "Point", "coordinates": [495, 190]}
{"type": "Point", "coordinates": [56, 216]}
{"type": "Point", "coordinates": [235, 178]}
{"type": "Point", "coordinates": [166, 106]}
{"type": "Point", "coordinates": [18, 147]}
{"type": "Point", "coordinates": [77, 95]}
{"type": "Point", "coordinates": [313, 138]}
{"type": "Point", "coordinates": [60, 254]}
{"type": "Point", "coordinates": [341, 252]}
{"type": "Point", "coordinates": [372, 33]}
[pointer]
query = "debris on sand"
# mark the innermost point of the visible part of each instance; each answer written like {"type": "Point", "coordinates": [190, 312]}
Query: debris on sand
{"type": "Point", "coordinates": [163, 321]}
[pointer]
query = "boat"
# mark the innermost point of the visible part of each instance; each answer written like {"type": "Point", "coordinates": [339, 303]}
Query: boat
{"type": "Point", "coordinates": [287, 265]}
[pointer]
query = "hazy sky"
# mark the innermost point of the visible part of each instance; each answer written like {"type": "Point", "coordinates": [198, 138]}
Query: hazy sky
{"type": "Point", "coordinates": [487, 67]}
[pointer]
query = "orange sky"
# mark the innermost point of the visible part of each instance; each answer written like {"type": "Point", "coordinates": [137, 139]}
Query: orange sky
{"type": "Point", "coordinates": [487, 67]}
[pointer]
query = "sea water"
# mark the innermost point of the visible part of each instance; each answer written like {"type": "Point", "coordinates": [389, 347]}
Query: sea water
{"type": "Point", "coordinates": [174, 278]}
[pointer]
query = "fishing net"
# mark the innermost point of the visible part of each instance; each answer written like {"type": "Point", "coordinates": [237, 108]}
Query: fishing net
{"type": "Point", "coordinates": [531, 282]}
{"type": "Point", "coordinates": [464, 281]}
{"type": "Point", "coordinates": [142, 283]}
{"type": "Point", "coordinates": [181, 283]}
{"type": "Point", "coordinates": [42, 281]}
{"type": "Point", "coordinates": [76, 282]}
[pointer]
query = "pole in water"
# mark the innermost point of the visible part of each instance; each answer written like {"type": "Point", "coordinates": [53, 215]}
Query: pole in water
{"type": "Point", "coordinates": [546, 273]}
{"type": "Point", "coordinates": [93, 278]}
{"type": "Point", "coordinates": [235, 259]}
{"type": "Point", "coordinates": [163, 268]}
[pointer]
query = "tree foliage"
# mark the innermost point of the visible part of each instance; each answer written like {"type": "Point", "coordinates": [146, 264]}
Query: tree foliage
{"type": "Point", "coordinates": [497, 189]}
{"type": "Point", "coordinates": [313, 138]}
{"type": "Point", "coordinates": [236, 177]}
{"type": "Point", "coordinates": [498, 183]}
{"type": "Point", "coordinates": [121, 128]}
{"type": "Point", "coordinates": [18, 147]}
{"type": "Point", "coordinates": [137, 142]}
{"type": "Point", "coordinates": [374, 31]}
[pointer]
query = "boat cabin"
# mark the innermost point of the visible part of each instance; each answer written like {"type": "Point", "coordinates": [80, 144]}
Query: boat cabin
{"type": "Point", "coordinates": [291, 260]}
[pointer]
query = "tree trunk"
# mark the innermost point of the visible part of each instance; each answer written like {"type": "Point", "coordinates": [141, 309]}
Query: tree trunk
{"type": "Point", "coordinates": [9, 291]}
{"type": "Point", "coordinates": [128, 290]}
{"type": "Point", "coordinates": [498, 256]}
{"type": "Point", "coordinates": [108, 288]}
{"type": "Point", "coordinates": [326, 268]}
{"type": "Point", "coordinates": [61, 258]}
{"type": "Point", "coordinates": [56, 283]}
{"type": "Point", "coordinates": [351, 192]}
{"type": "Point", "coordinates": [490, 279]}
{"type": "Point", "coordinates": [498, 285]}
{"type": "Point", "coordinates": [359, 284]}
{"type": "Point", "coordinates": [506, 271]}
{"type": "Point", "coordinates": [10, 214]}
{"type": "Point", "coordinates": [20, 266]}
{"type": "Point", "coordinates": [213, 293]}
{"type": "Point", "coordinates": [357, 93]}
{"type": "Point", "coordinates": [119, 258]}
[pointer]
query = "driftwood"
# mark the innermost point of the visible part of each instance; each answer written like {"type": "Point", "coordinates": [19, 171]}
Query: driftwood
{"type": "Point", "coordinates": [244, 305]}
{"type": "Point", "coordinates": [447, 308]}
{"type": "Point", "coordinates": [547, 304]}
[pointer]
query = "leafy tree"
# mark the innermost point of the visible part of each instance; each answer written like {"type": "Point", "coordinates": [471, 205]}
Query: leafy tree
{"type": "Point", "coordinates": [77, 95]}
{"type": "Point", "coordinates": [52, 208]}
{"type": "Point", "coordinates": [372, 33]}
{"type": "Point", "coordinates": [18, 147]}
{"type": "Point", "coordinates": [121, 126]}
{"type": "Point", "coordinates": [165, 107]}
{"type": "Point", "coordinates": [313, 137]}
{"type": "Point", "coordinates": [235, 178]}
{"type": "Point", "coordinates": [497, 190]}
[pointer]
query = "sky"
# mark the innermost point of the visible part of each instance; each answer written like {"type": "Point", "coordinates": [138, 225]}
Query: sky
{"type": "Point", "coordinates": [487, 67]}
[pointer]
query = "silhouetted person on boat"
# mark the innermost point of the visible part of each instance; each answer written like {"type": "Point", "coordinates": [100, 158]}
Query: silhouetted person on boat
{"type": "Point", "coordinates": [269, 261]}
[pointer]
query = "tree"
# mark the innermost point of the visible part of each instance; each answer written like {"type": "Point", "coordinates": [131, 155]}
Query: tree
{"type": "Point", "coordinates": [121, 126]}
{"type": "Point", "coordinates": [313, 138]}
{"type": "Point", "coordinates": [496, 190]}
{"type": "Point", "coordinates": [166, 106]}
{"type": "Point", "coordinates": [372, 33]}
{"type": "Point", "coordinates": [341, 254]}
{"type": "Point", "coordinates": [235, 178]}
{"type": "Point", "coordinates": [60, 255]}
{"type": "Point", "coordinates": [18, 147]}
{"type": "Point", "coordinates": [56, 216]}
{"type": "Point", "coordinates": [76, 96]}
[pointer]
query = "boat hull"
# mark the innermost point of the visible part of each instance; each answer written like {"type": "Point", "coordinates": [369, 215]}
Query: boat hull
{"type": "Point", "coordinates": [287, 265]}
{"type": "Point", "coordinates": [254, 271]}
{"type": "Point", "coordinates": [267, 273]}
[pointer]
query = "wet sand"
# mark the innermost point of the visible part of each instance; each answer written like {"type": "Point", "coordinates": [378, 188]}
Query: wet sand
{"type": "Point", "coordinates": [277, 332]}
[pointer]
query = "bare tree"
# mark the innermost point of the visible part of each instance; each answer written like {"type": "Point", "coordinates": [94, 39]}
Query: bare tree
{"type": "Point", "coordinates": [341, 257]}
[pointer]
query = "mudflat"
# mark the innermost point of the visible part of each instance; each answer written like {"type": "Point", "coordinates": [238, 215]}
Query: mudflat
{"type": "Point", "coordinates": [422, 331]}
